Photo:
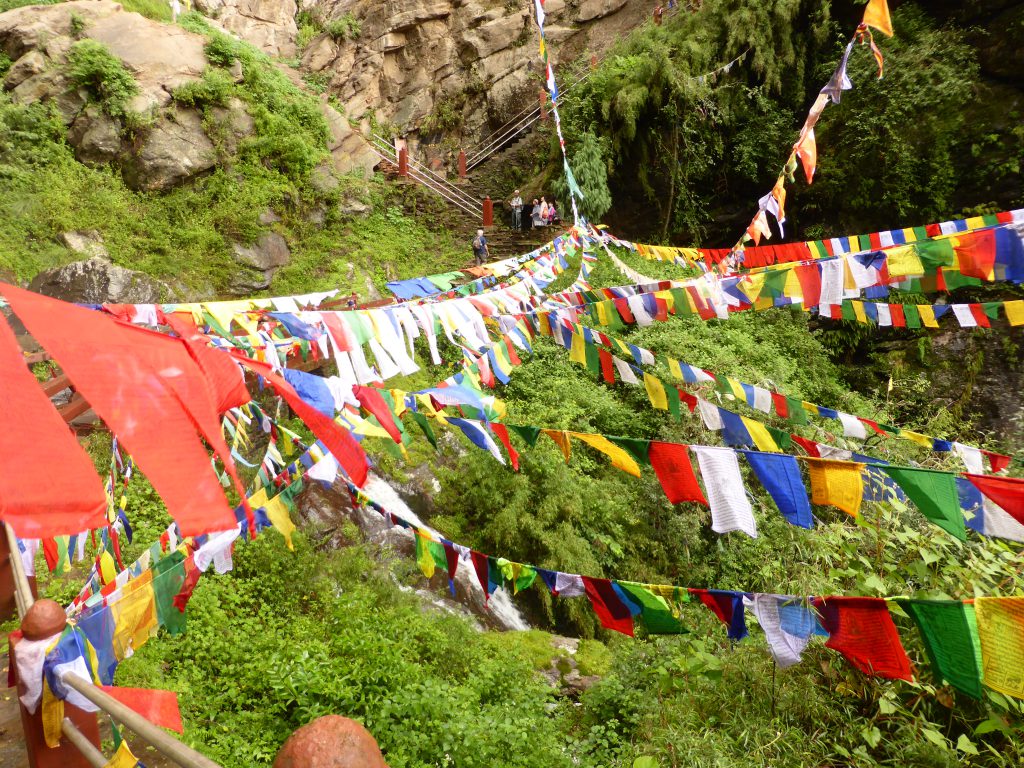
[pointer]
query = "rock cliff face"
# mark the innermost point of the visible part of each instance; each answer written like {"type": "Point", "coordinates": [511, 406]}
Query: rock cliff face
{"type": "Point", "coordinates": [173, 147]}
{"type": "Point", "coordinates": [475, 58]}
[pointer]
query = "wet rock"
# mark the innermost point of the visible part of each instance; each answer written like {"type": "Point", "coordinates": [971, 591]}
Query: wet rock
{"type": "Point", "coordinates": [232, 123]}
{"type": "Point", "coordinates": [331, 741]}
{"type": "Point", "coordinates": [98, 281]}
{"type": "Point", "coordinates": [95, 136]}
{"type": "Point", "coordinates": [32, 63]}
{"type": "Point", "coordinates": [267, 24]}
{"type": "Point", "coordinates": [87, 242]}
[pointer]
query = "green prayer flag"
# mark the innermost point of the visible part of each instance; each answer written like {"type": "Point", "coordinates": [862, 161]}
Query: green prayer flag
{"type": "Point", "coordinates": [796, 411]}
{"type": "Point", "coordinates": [935, 494]}
{"type": "Point", "coordinates": [593, 359]}
{"type": "Point", "coordinates": [848, 313]}
{"type": "Point", "coordinates": [775, 283]}
{"type": "Point", "coordinates": [680, 302]}
{"type": "Point", "coordinates": [672, 395]}
{"type": "Point", "coordinates": [424, 425]}
{"type": "Point", "coordinates": [529, 434]}
{"type": "Point", "coordinates": [992, 309]}
{"type": "Point", "coordinates": [655, 612]}
{"type": "Point", "coordinates": [912, 316]}
{"type": "Point", "coordinates": [950, 633]}
{"type": "Point", "coordinates": [168, 578]}
{"type": "Point", "coordinates": [782, 438]}
{"type": "Point", "coordinates": [936, 253]}
{"type": "Point", "coordinates": [955, 279]}
{"type": "Point", "coordinates": [638, 449]}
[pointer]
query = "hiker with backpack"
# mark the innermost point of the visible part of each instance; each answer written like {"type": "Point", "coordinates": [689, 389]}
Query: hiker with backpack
{"type": "Point", "coordinates": [480, 252]}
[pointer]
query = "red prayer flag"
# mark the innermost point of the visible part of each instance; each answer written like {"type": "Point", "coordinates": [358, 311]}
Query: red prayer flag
{"type": "Point", "coordinates": [674, 468]}
{"type": "Point", "coordinates": [338, 330]}
{"type": "Point", "coordinates": [1007, 492]}
{"type": "Point", "coordinates": [808, 445]}
{"type": "Point", "coordinates": [608, 606]}
{"type": "Point", "coordinates": [980, 317]}
{"type": "Point", "coordinates": [502, 432]}
{"type": "Point", "coordinates": [480, 567]}
{"type": "Point", "coordinates": [899, 320]}
{"type": "Point", "coordinates": [159, 707]}
{"type": "Point", "coordinates": [607, 366]}
{"type": "Point", "coordinates": [781, 405]}
{"type": "Point", "coordinates": [149, 392]}
{"type": "Point", "coordinates": [861, 629]}
{"type": "Point", "coordinates": [998, 461]}
{"type": "Point", "coordinates": [370, 399]}
{"type": "Point", "coordinates": [976, 252]}
{"type": "Point", "coordinates": [810, 283]}
{"type": "Point", "coordinates": [54, 489]}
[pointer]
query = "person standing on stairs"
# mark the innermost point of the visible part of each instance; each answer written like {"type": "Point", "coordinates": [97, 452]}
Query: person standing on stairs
{"type": "Point", "coordinates": [480, 252]}
{"type": "Point", "coordinates": [543, 212]}
{"type": "Point", "coordinates": [517, 210]}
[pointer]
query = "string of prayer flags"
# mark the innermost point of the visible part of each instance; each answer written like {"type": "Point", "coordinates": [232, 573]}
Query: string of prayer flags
{"type": "Point", "coordinates": [1007, 492]}
{"type": "Point", "coordinates": [780, 476]}
{"type": "Point", "coordinates": [728, 607]}
{"type": "Point", "coordinates": [915, 316]}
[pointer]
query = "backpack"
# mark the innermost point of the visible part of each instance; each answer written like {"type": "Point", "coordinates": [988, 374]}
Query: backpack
{"type": "Point", "coordinates": [478, 244]}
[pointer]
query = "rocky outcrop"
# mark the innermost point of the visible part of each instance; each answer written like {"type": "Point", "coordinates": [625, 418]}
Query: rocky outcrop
{"type": "Point", "coordinates": [264, 258]}
{"type": "Point", "coordinates": [98, 281]}
{"type": "Point", "coordinates": [413, 55]}
{"type": "Point", "coordinates": [267, 24]}
{"type": "Point", "coordinates": [168, 144]}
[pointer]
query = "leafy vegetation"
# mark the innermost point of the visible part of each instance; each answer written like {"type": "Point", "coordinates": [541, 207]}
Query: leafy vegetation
{"type": "Point", "coordinates": [345, 27]}
{"type": "Point", "coordinates": [93, 67]}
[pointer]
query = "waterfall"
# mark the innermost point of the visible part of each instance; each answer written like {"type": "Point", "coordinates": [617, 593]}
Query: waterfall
{"type": "Point", "coordinates": [501, 608]}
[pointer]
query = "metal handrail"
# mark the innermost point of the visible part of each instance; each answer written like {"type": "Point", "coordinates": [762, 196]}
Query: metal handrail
{"type": "Point", "coordinates": [489, 146]}
{"type": "Point", "coordinates": [170, 747]}
{"type": "Point", "coordinates": [426, 182]}
{"type": "Point", "coordinates": [452, 194]}
{"type": "Point", "coordinates": [386, 146]}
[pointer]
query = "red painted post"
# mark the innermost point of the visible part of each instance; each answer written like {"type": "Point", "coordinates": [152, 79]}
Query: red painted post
{"type": "Point", "coordinates": [403, 162]}
{"type": "Point", "coordinates": [593, 61]}
{"type": "Point", "coordinates": [462, 164]}
{"type": "Point", "coordinates": [44, 619]}
{"type": "Point", "coordinates": [543, 104]}
{"type": "Point", "coordinates": [488, 212]}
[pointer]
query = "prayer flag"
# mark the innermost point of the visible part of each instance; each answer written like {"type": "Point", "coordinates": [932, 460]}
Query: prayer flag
{"type": "Point", "coordinates": [620, 458]}
{"type": "Point", "coordinates": [839, 483]}
{"type": "Point", "coordinates": [671, 463]}
{"type": "Point", "coordinates": [1007, 492]}
{"type": "Point", "coordinates": [610, 609]}
{"type": "Point", "coordinates": [727, 495]}
{"type": "Point", "coordinates": [934, 493]}
{"type": "Point", "coordinates": [1001, 629]}
{"type": "Point", "coordinates": [158, 707]}
{"type": "Point", "coordinates": [950, 632]}
{"type": "Point", "coordinates": [780, 476]}
{"type": "Point", "coordinates": [861, 629]}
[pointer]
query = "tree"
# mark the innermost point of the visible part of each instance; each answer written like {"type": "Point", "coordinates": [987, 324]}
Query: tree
{"type": "Point", "coordinates": [591, 171]}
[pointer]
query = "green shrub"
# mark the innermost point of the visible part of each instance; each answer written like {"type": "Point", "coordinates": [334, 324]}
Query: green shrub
{"type": "Point", "coordinates": [214, 88]}
{"type": "Point", "coordinates": [103, 75]}
{"type": "Point", "coordinates": [158, 10]}
{"type": "Point", "coordinates": [345, 27]}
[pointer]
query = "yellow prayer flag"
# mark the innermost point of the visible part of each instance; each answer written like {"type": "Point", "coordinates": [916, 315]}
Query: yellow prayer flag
{"type": "Point", "coordinates": [760, 435]}
{"type": "Point", "coordinates": [923, 440]}
{"type": "Point", "coordinates": [656, 391]}
{"type": "Point", "coordinates": [123, 758]}
{"type": "Point", "coordinates": [578, 349]}
{"type": "Point", "coordinates": [602, 313]}
{"type": "Point", "coordinates": [424, 559]}
{"type": "Point", "coordinates": [903, 261]}
{"type": "Point", "coordinates": [1001, 631]}
{"type": "Point", "coordinates": [976, 222]}
{"type": "Point", "coordinates": [1014, 312]}
{"type": "Point", "coordinates": [669, 299]}
{"type": "Point", "coordinates": [876, 15]}
{"type": "Point", "coordinates": [134, 615]}
{"type": "Point", "coordinates": [927, 315]}
{"type": "Point", "coordinates": [839, 483]}
{"type": "Point", "coordinates": [736, 388]}
{"type": "Point", "coordinates": [751, 284]}
{"type": "Point", "coordinates": [561, 438]}
{"type": "Point", "coordinates": [620, 458]}
{"type": "Point", "coordinates": [858, 311]}
{"type": "Point", "coordinates": [909, 235]}
{"type": "Point", "coordinates": [52, 716]}
{"type": "Point", "coordinates": [674, 369]}
{"type": "Point", "coordinates": [277, 513]}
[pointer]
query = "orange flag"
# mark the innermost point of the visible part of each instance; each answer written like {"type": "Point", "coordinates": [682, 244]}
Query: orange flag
{"type": "Point", "coordinates": [877, 15]}
{"type": "Point", "coordinates": [807, 151]}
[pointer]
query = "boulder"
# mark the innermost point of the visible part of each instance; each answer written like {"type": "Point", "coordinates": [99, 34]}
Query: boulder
{"type": "Point", "coordinates": [87, 242]}
{"type": "Point", "coordinates": [331, 741]}
{"type": "Point", "coordinates": [233, 123]}
{"type": "Point", "coordinates": [95, 136]}
{"type": "Point", "coordinates": [262, 259]}
{"type": "Point", "coordinates": [267, 24]}
{"type": "Point", "coordinates": [32, 63]}
{"type": "Point", "coordinates": [98, 281]}
{"type": "Point", "coordinates": [598, 9]}
{"type": "Point", "coordinates": [174, 149]}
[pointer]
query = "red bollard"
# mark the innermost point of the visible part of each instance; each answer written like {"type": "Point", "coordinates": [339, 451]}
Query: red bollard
{"type": "Point", "coordinates": [403, 162]}
{"type": "Point", "coordinates": [462, 164]}
{"type": "Point", "coordinates": [593, 61]}
{"type": "Point", "coordinates": [488, 212]}
{"type": "Point", "coordinates": [543, 105]}
{"type": "Point", "coordinates": [43, 619]}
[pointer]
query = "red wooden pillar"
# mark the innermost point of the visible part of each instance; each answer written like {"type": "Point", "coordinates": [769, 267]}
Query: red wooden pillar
{"type": "Point", "coordinates": [488, 212]}
{"type": "Point", "coordinates": [593, 61]}
{"type": "Point", "coordinates": [403, 162]}
{"type": "Point", "coordinates": [462, 164]}
{"type": "Point", "coordinates": [543, 104]}
{"type": "Point", "coordinates": [44, 619]}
